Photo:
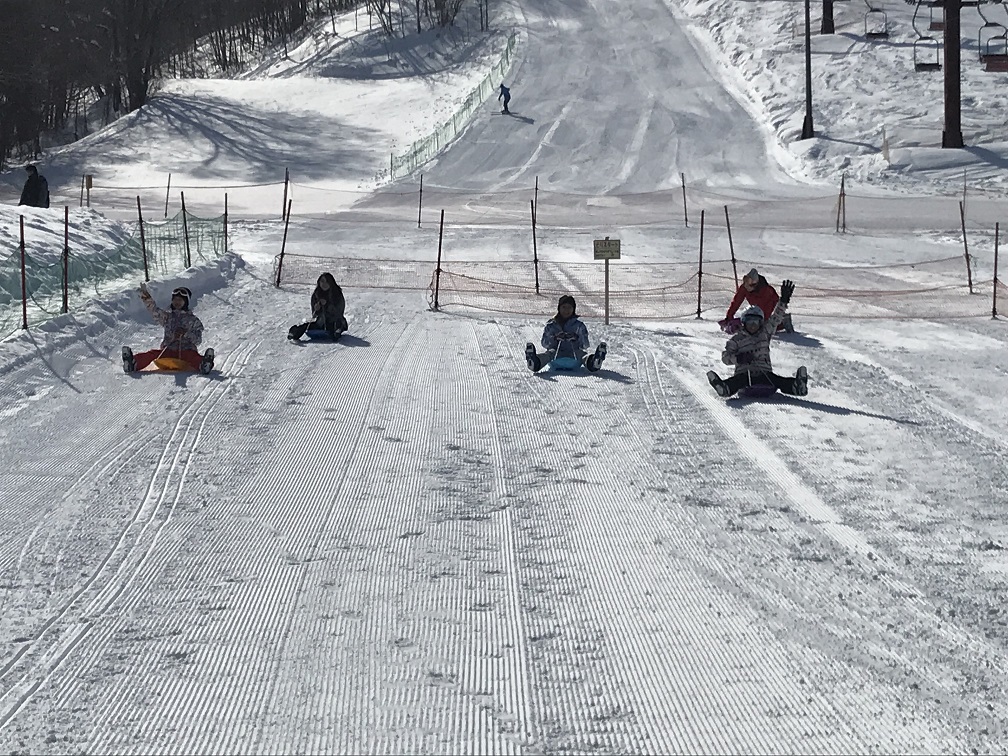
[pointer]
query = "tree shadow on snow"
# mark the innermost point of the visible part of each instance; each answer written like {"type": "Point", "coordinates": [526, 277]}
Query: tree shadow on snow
{"type": "Point", "coordinates": [740, 402]}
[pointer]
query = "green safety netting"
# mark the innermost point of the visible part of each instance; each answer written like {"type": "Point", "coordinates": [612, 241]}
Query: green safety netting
{"type": "Point", "coordinates": [98, 273]}
{"type": "Point", "coordinates": [423, 150]}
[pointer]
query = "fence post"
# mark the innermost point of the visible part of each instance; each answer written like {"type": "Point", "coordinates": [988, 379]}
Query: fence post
{"type": "Point", "coordinates": [731, 245]}
{"type": "Point", "coordinates": [536, 195]}
{"type": "Point", "coordinates": [66, 257]}
{"type": "Point", "coordinates": [283, 245]}
{"type": "Point", "coordinates": [420, 205]}
{"type": "Point", "coordinates": [969, 272]}
{"type": "Point", "coordinates": [685, 212]}
{"type": "Point", "coordinates": [143, 241]}
{"type": "Point", "coordinates": [167, 192]}
{"type": "Point", "coordinates": [283, 210]}
{"type": "Point", "coordinates": [437, 270]}
{"type": "Point", "coordinates": [841, 205]}
{"type": "Point", "coordinates": [994, 299]}
{"type": "Point", "coordinates": [699, 283]}
{"type": "Point", "coordinates": [535, 247]}
{"type": "Point", "coordinates": [225, 224]}
{"type": "Point", "coordinates": [185, 232]}
{"type": "Point", "coordinates": [82, 190]}
{"type": "Point", "coordinates": [24, 282]}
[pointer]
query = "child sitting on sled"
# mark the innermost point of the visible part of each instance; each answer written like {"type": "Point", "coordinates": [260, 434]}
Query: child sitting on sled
{"type": "Point", "coordinates": [328, 306]}
{"type": "Point", "coordinates": [749, 351]}
{"type": "Point", "coordinates": [565, 336]}
{"type": "Point", "coordinates": [183, 332]}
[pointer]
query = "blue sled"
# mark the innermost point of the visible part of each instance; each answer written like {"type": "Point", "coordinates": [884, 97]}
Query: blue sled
{"type": "Point", "coordinates": [566, 364]}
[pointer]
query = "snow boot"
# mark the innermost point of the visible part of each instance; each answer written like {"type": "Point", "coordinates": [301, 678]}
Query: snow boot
{"type": "Point", "coordinates": [206, 364]}
{"type": "Point", "coordinates": [531, 358]}
{"type": "Point", "coordinates": [594, 362]}
{"type": "Point", "coordinates": [129, 364]}
{"type": "Point", "coordinates": [717, 384]}
{"type": "Point", "coordinates": [801, 381]}
{"type": "Point", "coordinates": [297, 331]}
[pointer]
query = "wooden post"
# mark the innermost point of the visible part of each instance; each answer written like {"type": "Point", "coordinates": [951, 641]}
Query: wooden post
{"type": "Point", "coordinates": [167, 192]}
{"type": "Point", "coordinates": [535, 247]}
{"type": "Point", "coordinates": [840, 205]}
{"type": "Point", "coordinates": [143, 241]}
{"type": "Point", "coordinates": [437, 270]}
{"type": "Point", "coordinates": [24, 282]}
{"type": "Point", "coordinates": [699, 284]}
{"type": "Point", "coordinates": [82, 190]}
{"type": "Point", "coordinates": [66, 258]}
{"type": "Point", "coordinates": [283, 245]}
{"type": "Point", "coordinates": [731, 246]}
{"type": "Point", "coordinates": [225, 223]}
{"type": "Point", "coordinates": [185, 233]}
{"type": "Point", "coordinates": [420, 207]}
{"type": "Point", "coordinates": [969, 271]}
{"type": "Point", "coordinates": [685, 212]}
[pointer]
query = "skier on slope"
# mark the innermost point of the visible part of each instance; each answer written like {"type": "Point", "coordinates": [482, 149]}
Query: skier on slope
{"type": "Point", "coordinates": [565, 335]}
{"type": "Point", "coordinates": [749, 351]}
{"type": "Point", "coordinates": [328, 306]}
{"type": "Point", "coordinates": [183, 332]}
{"type": "Point", "coordinates": [756, 291]}
{"type": "Point", "coordinates": [505, 94]}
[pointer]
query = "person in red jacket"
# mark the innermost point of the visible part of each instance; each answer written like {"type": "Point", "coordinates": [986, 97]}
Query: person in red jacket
{"type": "Point", "coordinates": [757, 292]}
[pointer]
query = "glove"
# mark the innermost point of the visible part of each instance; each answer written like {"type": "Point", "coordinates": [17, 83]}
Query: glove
{"type": "Point", "coordinates": [744, 358]}
{"type": "Point", "coordinates": [144, 293]}
{"type": "Point", "coordinates": [178, 336]}
{"type": "Point", "coordinates": [564, 336]}
{"type": "Point", "coordinates": [786, 290]}
{"type": "Point", "coordinates": [729, 325]}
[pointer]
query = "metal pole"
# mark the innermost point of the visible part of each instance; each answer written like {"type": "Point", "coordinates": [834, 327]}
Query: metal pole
{"type": "Point", "coordinates": [994, 300]}
{"type": "Point", "coordinates": [685, 212]}
{"type": "Point", "coordinates": [437, 270]}
{"type": "Point", "coordinates": [225, 223]}
{"type": "Point", "coordinates": [969, 272]}
{"type": "Point", "coordinates": [283, 210]}
{"type": "Point", "coordinates": [167, 192]}
{"type": "Point", "coordinates": [535, 248]}
{"type": "Point", "coordinates": [185, 233]}
{"type": "Point", "coordinates": [699, 283]}
{"type": "Point", "coordinates": [420, 207]}
{"type": "Point", "coordinates": [143, 241]}
{"type": "Point", "coordinates": [731, 245]}
{"type": "Point", "coordinates": [607, 291]}
{"type": "Point", "coordinates": [952, 135]}
{"type": "Point", "coordinates": [66, 258]}
{"type": "Point", "coordinates": [24, 282]}
{"type": "Point", "coordinates": [283, 244]}
{"type": "Point", "coordinates": [807, 131]}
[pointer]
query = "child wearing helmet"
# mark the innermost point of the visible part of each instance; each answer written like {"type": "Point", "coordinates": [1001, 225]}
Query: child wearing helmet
{"type": "Point", "coordinates": [749, 351]}
{"type": "Point", "coordinates": [565, 333]}
{"type": "Point", "coordinates": [759, 293]}
{"type": "Point", "coordinates": [328, 307]}
{"type": "Point", "coordinates": [183, 332]}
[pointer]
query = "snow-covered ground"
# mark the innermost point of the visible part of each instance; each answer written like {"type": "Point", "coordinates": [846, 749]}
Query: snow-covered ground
{"type": "Point", "coordinates": [406, 542]}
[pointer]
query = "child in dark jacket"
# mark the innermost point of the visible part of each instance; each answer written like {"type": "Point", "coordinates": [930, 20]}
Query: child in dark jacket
{"type": "Point", "coordinates": [564, 336]}
{"type": "Point", "coordinates": [183, 332]}
{"type": "Point", "coordinates": [328, 307]}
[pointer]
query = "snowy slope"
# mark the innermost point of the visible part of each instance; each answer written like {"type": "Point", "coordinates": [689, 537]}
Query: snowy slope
{"type": "Point", "coordinates": [406, 542]}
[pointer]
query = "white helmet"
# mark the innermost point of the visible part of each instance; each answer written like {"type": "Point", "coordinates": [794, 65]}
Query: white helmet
{"type": "Point", "coordinates": [753, 313]}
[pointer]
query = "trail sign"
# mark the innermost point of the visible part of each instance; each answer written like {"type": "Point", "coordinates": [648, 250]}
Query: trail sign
{"type": "Point", "coordinates": [607, 249]}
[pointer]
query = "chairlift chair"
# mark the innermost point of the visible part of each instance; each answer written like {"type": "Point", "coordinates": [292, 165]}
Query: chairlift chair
{"type": "Point", "coordinates": [996, 53]}
{"type": "Point", "coordinates": [876, 23]}
{"type": "Point", "coordinates": [933, 23]}
{"type": "Point", "coordinates": [988, 30]}
{"type": "Point", "coordinates": [923, 59]}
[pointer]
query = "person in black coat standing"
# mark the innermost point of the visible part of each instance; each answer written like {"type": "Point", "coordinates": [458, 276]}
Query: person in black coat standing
{"type": "Point", "coordinates": [36, 189]}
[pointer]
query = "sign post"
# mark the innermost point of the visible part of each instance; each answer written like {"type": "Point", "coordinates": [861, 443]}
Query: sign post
{"type": "Point", "coordinates": [607, 249]}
